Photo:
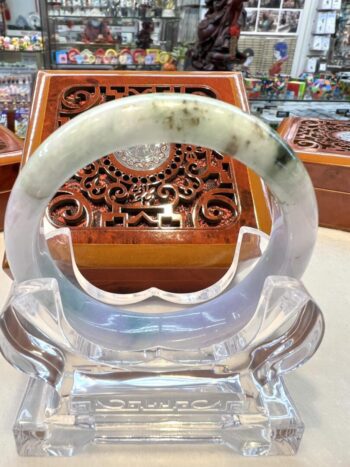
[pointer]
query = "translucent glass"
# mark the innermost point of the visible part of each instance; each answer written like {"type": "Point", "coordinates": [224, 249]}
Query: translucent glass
{"type": "Point", "coordinates": [252, 241]}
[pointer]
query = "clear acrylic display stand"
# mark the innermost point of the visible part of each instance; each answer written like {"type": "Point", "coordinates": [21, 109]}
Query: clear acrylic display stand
{"type": "Point", "coordinates": [231, 393]}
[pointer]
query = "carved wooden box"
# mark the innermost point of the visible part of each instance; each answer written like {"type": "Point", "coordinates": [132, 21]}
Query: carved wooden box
{"type": "Point", "coordinates": [10, 158]}
{"type": "Point", "coordinates": [324, 147]}
{"type": "Point", "coordinates": [173, 227]}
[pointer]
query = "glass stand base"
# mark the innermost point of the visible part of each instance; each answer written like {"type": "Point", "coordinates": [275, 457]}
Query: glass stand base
{"type": "Point", "coordinates": [231, 392]}
{"type": "Point", "coordinates": [231, 410]}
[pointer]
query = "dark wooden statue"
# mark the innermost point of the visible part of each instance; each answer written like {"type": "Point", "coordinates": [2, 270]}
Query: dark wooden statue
{"type": "Point", "coordinates": [218, 34]}
{"type": "Point", "coordinates": [144, 39]}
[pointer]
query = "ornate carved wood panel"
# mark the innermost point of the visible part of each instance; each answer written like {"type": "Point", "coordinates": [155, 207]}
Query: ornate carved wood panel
{"type": "Point", "coordinates": [164, 195]}
{"type": "Point", "coordinates": [78, 98]}
{"type": "Point", "coordinates": [191, 188]}
{"type": "Point", "coordinates": [329, 136]}
{"type": "Point", "coordinates": [195, 188]}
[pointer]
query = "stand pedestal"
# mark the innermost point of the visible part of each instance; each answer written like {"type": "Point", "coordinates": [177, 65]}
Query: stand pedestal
{"type": "Point", "coordinates": [233, 410]}
{"type": "Point", "coordinates": [231, 393]}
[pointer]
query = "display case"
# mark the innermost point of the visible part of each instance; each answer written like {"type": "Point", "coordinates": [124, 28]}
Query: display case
{"type": "Point", "coordinates": [340, 53]}
{"type": "Point", "coordinates": [322, 35]}
{"type": "Point", "coordinates": [21, 55]}
{"type": "Point", "coordinates": [274, 111]}
{"type": "Point", "coordinates": [110, 35]}
{"type": "Point", "coordinates": [278, 81]}
{"type": "Point", "coordinates": [16, 86]}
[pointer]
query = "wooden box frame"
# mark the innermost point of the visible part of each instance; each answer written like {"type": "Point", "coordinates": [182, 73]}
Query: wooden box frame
{"type": "Point", "coordinates": [10, 159]}
{"type": "Point", "coordinates": [327, 158]}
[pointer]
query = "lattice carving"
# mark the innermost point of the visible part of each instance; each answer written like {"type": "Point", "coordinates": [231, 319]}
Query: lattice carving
{"type": "Point", "coordinates": [77, 99]}
{"type": "Point", "coordinates": [330, 136]}
{"type": "Point", "coordinates": [194, 188]}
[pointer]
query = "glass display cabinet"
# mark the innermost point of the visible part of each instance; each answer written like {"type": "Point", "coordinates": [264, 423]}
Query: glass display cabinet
{"type": "Point", "coordinates": [110, 35]}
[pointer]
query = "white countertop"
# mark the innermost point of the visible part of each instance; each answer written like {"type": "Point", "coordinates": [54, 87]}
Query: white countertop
{"type": "Point", "coordinates": [321, 389]}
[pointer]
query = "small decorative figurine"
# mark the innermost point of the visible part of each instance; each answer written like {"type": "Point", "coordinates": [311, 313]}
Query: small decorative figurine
{"type": "Point", "coordinates": [24, 43]}
{"type": "Point", "coordinates": [249, 54]}
{"type": "Point", "coordinates": [144, 37]}
{"type": "Point", "coordinates": [97, 31]}
{"type": "Point", "coordinates": [169, 10]}
{"type": "Point", "coordinates": [281, 55]}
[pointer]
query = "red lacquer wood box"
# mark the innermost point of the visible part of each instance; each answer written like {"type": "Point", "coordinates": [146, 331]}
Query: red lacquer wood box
{"type": "Point", "coordinates": [180, 242]}
{"type": "Point", "coordinates": [10, 159]}
{"type": "Point", "coordinates": [324, 147]}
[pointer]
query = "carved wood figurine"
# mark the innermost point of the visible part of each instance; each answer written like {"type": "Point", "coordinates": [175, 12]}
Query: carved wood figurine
{"type": "Point", "coordinates": [218, 35]}
{"type": "Point", "coordinates": [144, 39]}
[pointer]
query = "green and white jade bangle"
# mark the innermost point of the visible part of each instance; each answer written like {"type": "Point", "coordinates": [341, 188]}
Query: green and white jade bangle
{"type": "Point", "coordinates": [162, 118]}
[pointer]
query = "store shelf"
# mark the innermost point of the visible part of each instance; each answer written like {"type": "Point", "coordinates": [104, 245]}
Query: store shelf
{"type": "Point", "coordinates": [105, 67]}
{"type": "Point", "coordinates": [83, 18]}
{"type": "Point", "coordinates": [14, 31]}
{"type": "Point", "coordinates": [322, 34]}
{"type": "Point", "coordinates": [338, 67]}
{"type": "Point", "coordinates": [87, 44]}
{"type": "Point", "coordinates": [22, 51]}
{"type": "Point", "coordinates": [80, 7]}
{"type": "Point", "coordinates": [116, 18]}
{"type": "Point", "coordinates": [270, 100]}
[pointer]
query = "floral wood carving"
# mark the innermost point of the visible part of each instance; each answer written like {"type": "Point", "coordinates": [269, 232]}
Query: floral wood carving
{"type": "Point", "coordinates": [77, 99]}
{"type": "Point", "coordinates": [194, 187]}
{"type": "Point", "coordinates": [330, 136]}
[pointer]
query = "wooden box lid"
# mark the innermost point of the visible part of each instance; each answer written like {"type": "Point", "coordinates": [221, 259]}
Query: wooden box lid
{"type": "Point", "coordinates": [183, 217]}
{"type": "Point", "coordinates": [318, 140]}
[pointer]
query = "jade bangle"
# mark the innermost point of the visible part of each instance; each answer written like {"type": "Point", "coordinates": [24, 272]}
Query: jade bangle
{"type": "Point", "coordinates": [151, 119]}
